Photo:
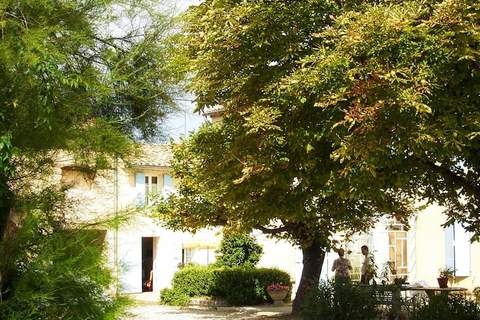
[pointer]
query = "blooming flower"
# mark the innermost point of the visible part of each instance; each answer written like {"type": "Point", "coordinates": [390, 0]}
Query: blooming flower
{"type": "Point", "coordinates": [277, 287]}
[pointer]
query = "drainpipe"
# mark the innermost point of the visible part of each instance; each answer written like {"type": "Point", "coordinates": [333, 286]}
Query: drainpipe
{"type": "Point", "coordinates": [115, 241]}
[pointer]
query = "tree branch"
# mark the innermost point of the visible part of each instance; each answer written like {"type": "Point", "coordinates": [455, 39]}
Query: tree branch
{"type": "Point", "coordinates": [273, 231]}
{"type": "Point", "coordinates": [459, 180]}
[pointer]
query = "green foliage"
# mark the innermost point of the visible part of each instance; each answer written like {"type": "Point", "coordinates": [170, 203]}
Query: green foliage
{"type": "Point", "coordinates": [237, 286]}
{"type": "Point", "coordinates": [59, 271]}
{"type": "Point", "coordinates": [174, 297]}
{"type": "Point", "coordinates": [447, 273]}
{"type": "Point", "coordinates": [239, 250]}
{"type": "Point", "coordinates": [445, 308]}
{"type": "Point", "coordinates": [194, 280]}
{"type": "Point", "coordinates": [340, 301]}
{"type": "Point", "coordinates": [398, 83]}
{"type": "Point", "coordinates": [240, 286]}
{"type": "Point", "coordinates": [269, 164]}
{"type": "Point", "coordinates": [71, 82]}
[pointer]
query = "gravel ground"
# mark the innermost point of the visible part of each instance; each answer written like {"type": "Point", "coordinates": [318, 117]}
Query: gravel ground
{"type": "Point", "coordinates": [153, 311]}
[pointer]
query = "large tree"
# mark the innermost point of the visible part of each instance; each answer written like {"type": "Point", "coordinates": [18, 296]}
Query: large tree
{"type": "Point", "coordinates": [404, 77]}
{"type": "Point", "coordinates": [73, 79]}
{"type": "Point", "coordinates": [267, 164]}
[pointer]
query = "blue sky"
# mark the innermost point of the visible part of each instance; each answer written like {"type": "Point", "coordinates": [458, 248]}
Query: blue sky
{"type": "Point", "coordinates": [184, 120]}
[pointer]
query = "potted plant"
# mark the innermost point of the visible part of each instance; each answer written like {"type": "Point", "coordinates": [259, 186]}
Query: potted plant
{"type": "Point", "coordinates": [400, 281]}
{"type": "Point", "coordinates": [278, 292]}
{"type": "Point", "coordinates": [446, 274]}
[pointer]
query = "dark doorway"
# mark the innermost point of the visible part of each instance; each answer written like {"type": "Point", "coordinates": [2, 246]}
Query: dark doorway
{"type": "Point", "coordinates": [147, 264]}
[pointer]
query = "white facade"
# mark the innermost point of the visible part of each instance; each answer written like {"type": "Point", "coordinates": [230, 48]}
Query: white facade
{"type": "Point", "coordinates": [142, 243]}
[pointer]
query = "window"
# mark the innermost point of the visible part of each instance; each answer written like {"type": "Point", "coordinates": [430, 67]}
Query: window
{"type": "Point", "coordinates": [168, 186]}
{"type": "Point", "coordinates": [398, 253]}
{"type": "Point", "coordinates": [154, 186]}
{"type": "Point", "coordinates": [146, 187]}
{"type": "Point", "coordinates": [151, 188]}
{"type": "Point", "coordinates": [458, 250]}
{"type": "Point", "coordinates": [187, 256]}
{"type": "Point", "coordinates": [201, 255]}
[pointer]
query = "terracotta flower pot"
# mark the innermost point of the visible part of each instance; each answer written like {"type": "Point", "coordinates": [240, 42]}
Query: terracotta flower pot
{"type": "Point", "coordinates": [277, 296]}
{"type": "Point", "coordinates": [442, 282]}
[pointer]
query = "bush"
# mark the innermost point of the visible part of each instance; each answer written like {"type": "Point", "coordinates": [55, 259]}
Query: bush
{"type": "Point", "coordinates": [446, 308]}
{"type": "Point", "coordinates": [239, 250]}
{"type": "Point", "coordinates": [58, 273]}
{"type": "Point", "coordinates": [174, 297]}
{"type": "Point", "coordinates": [340, 301]}
{"type": "Point", "coordinates": [240, 286]}
{"type": "Point", "coordinates": [194, 280]}
{"type": "Point", "coordinates": [237, 286]}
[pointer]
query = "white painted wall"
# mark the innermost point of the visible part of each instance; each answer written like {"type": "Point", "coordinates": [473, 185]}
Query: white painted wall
{"type": "Point", "coordinates": [96, 200]}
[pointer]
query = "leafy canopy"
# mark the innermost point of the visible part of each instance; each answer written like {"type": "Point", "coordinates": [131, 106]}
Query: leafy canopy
{"type": "Point", "coordinates": [268, 164]}
{"type": "Point", "coordinates": [399, 83]}
{"type": "Point", "coordinates": [71, 80]}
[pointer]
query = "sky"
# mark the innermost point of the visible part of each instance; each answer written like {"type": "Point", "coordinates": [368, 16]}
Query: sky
{"type": "Point", "coordinates": [185, 120]}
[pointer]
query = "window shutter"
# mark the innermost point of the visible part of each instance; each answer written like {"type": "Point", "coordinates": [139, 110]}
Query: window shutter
{"type": "Point", "coordinates": [450, 247]}
{"type": "Point", "coordinates": [140, 188]}
{"type": "Point", "coordinates": [168, 186]}
{"type": "Point", "coordinates": [462, 251]}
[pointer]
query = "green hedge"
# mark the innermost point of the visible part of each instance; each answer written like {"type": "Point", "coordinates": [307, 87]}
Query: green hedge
{"type": "Point", "coordinates": [441, 307]}
{"type": "Point", "coordinates": [238, 286]}
{"type": "Point", "coordinates": [194, 280]}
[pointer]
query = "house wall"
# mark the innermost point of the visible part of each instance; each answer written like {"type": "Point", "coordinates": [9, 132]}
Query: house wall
{"type": "Point", "coordinates": [282, 255]}
{"type": "Point", "coordinates": [96, 199]}
{"type": "Point", "coordinates": [430, 254]}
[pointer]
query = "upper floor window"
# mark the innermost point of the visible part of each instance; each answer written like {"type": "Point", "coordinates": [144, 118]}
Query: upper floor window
{"type": "Point", "coordinates": [150, 186]}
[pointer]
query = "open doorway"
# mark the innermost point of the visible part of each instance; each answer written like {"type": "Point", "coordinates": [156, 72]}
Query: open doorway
{"type": "Point", "coordinates": [147, 264]}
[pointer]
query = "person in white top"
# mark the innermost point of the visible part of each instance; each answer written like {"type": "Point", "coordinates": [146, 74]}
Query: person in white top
{"type": "Point", "coordinates": [367, 272]}
{"type": "Point", "coordinates": [342, 267]}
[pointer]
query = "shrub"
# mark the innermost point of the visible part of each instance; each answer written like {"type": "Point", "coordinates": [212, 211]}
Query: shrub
{"type": "Point", "coordinates": [194, 280]}
{"type": "Point", "coordinates": [267, 276]}
{"type": "Point", "coordinates": [239, 250]}
{"type": "Point", "coordinates": [58, 274]}
{"type": "Point", "coordinates": [340, 301]}
{"type": "Point", "coordinates": [238, 286]}
{"type": "Point", "coordinates": [446, 308]}
{"type": "Point", "coordinates": [174, 297]}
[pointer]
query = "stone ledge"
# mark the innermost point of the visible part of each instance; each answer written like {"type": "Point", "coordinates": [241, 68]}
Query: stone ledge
{"type": "Point", "coordinates": [208, 302]}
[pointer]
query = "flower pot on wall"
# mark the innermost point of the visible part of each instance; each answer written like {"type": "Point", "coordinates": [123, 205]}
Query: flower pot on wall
{"type": "Point", "coordinates": [442, 282]}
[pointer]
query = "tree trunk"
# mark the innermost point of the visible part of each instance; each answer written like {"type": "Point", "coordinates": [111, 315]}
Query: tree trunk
{"type": "Point", "coordinates": [6, 215]}
{"type": "Point", "coordinates": [313, 257]}
{"type": "Point", "coordinates": [5, 205]}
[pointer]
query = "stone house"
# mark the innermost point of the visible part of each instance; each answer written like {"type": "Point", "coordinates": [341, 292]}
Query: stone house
{"type": "Point", "coordinates": [142, 247]}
